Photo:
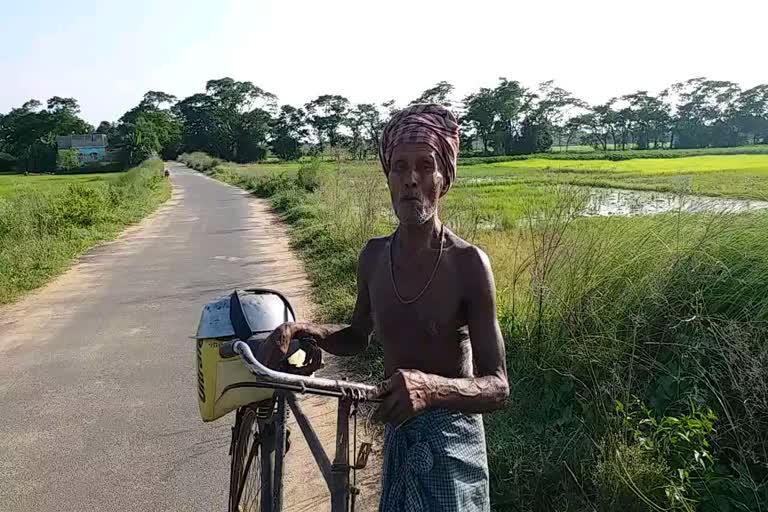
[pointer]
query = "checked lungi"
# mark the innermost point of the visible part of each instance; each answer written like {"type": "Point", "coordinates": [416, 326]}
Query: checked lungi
{"type": "Point", "coordinates": [435, 462]}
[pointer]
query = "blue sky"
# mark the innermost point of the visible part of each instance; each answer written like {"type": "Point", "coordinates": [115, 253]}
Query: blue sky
{"type": "Point", "coordinates": [107, 54]}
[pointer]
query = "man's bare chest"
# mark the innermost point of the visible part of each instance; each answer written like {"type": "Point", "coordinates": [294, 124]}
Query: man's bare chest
{"type": "Point", "coordinates": [438, 313]}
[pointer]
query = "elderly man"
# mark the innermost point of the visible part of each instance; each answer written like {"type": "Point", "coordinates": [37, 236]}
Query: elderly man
{"type": "Point", "coordinates": [429, 298]}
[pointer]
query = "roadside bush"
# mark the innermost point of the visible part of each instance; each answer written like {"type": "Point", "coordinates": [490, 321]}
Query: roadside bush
{"type": "Point", "coordinates": [308, 175]}
{"type": "Point", "coordinates": [80, 204]}
{"type": "Point", "coordinates": [199, 161]}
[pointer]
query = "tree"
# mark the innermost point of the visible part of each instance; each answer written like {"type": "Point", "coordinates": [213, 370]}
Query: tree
{"type": "Point", "coordinates": [142, 140]}
{"type": "Point", "coordinates": [58, 104]}
{"type": "Point", "coordinates": [750, 114]}
{"type": "Point", "coordinates": [289, 132]}
{"type": "Point", "coordinates": [555, 106]}
{"type": "Point", "coordinates": [595, 126]}
{"type": "Point", "coordinates": [480, 114]}
{"type": "Point", "coordinates": [510, 102]}
{"type": "Point", "coordinates": [651, 119]}
{"type": "Point", "coordinates": [29, 132]}
{"type": "Point", "coordinates": [438, 94]}
{"type": "Point", "coordinates": [535, 137]}
{"type": "Point", "coordinates": [252, 134]}
{"type": "Point", "coordinates": [494, 115]}
{"type": "Point", "coordinates": [703, 112]}
{"type": "Point", "coordinates": [373, 122]}
{"type": "Point", "coordinates": [155, 99]}
{"type": "Point", "coordinates": [230, 120]}
{"type": "Point", "coordinates": [326, 114]}
{"type": "Point", "coordinates": [147, 129]}
{"type": "Point", "coordinates": [104, 127]}
{"type": "Point", "coordinates": [198, 114]}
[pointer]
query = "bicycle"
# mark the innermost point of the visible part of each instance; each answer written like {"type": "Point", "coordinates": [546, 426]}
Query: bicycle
{"type": "Point", "coordinates": [260, 439]}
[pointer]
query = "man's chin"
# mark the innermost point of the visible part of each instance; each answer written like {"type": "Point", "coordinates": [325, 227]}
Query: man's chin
{"type": "Point", "coordinates": [414, 219]}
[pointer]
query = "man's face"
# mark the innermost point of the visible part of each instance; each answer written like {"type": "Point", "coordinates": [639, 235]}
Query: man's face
{"type": "Point", "coordinates": [415, 182]}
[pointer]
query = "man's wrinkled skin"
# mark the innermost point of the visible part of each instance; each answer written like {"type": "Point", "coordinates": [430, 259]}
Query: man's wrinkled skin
{"type": "Point", "coordinates": [427, 362]}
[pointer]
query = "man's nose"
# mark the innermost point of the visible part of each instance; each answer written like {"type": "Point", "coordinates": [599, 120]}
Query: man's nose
{"type": "Point", "coordinates": [411, 177]}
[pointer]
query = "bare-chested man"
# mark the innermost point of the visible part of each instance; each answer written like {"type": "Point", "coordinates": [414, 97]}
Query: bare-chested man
{"type": "Point", "coordinates": [429, 298]}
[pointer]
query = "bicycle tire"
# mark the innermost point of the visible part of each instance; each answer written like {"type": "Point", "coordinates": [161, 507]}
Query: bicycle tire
{"type": "Point", "coordinates": [245, 477]}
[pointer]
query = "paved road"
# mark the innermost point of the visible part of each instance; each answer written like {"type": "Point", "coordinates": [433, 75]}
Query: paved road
{"type": "Point", "coordinates": [97, 383]}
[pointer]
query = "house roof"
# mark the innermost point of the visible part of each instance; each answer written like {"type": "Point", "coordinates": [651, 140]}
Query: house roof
{"type": "Point", "coordinates": [88, 140]}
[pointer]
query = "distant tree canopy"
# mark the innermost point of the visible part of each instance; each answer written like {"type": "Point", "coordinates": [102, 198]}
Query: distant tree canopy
{"type": "Point", "coordinates": [147, 129]}
{"type": "Point", "coordinates": [242, 122]}
{"type": "Point", "coordinates": [230, 120]}
{"type": "Point", "coordinates": [28, 133]}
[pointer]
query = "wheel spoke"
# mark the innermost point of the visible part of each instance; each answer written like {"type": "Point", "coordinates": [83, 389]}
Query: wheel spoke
{"type": "Point", "coordinates": [246, 467]}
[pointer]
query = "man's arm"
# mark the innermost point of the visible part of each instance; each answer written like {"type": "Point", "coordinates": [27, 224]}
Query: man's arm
{"type": "Point", "coordinates": [408, 392]}
{"type": "Point", "coordinates": [341, 340]}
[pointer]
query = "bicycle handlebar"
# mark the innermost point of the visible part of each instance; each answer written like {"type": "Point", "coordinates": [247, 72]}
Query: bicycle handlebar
{"type": "Point", "coordinates": [299, 383]}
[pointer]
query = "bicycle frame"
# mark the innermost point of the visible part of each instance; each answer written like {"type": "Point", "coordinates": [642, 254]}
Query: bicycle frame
{"type": "Point", "coordinates": [336, 474]}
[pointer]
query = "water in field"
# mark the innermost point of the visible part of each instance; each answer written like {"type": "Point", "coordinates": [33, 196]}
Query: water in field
{"type": "Point", "coordinates": [605, 202]}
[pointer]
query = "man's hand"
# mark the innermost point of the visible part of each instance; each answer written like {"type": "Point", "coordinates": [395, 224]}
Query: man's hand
{"type": "Point", "coordinates": [404, 395]}
{"type": "Point", "coordinates": [273, 350]}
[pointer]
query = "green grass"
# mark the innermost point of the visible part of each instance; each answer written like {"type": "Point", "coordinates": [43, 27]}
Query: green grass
{"type": "Point", "coordinates": [637, 346]}
{"type": "Point", "coordinates": [737, 176]}
{"type": "Point", "coordinates": [9, 182]}
{"type": "Point", "coordinates": [46, 221]}
{"type": "Point", "coordinates": [618, 155]}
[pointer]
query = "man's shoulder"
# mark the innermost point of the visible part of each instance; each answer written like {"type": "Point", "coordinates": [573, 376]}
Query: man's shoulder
{"type": "Point", "coordinates": [471, 263]}
{"type": "Point", "coordinates": [374, 246]}
{"type": "Point", "coordinates": [371, 252]}
{"type": "Point", "coordinates": [466, 253]}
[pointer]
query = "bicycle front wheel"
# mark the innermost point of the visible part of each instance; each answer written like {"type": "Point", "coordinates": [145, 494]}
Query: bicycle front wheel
{"type": "Point", "coordinates": [245, 477]}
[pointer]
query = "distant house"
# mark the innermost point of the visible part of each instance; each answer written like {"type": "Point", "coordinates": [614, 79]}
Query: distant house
{"type": "Point", "coordinates": [91, 147]}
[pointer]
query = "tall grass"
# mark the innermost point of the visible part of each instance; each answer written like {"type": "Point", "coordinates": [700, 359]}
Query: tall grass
{"type": "Point", "coordinates": [637, 347]}
{"type": "Point", "coordinates": [600, 312]}
{"type": "Point", "coordinates": [42, 229]}
{"type": "Point", "coordinates": [199, 161]}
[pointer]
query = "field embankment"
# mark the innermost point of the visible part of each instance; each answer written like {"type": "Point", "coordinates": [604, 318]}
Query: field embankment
{"type": "Point", "coordinates": [45, 221]}
{"type": "Point", "coordinates": [637, 345]}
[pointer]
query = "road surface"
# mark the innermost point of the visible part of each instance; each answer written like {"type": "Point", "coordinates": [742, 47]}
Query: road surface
{"type": "Point", "coordinates": [97, 379]}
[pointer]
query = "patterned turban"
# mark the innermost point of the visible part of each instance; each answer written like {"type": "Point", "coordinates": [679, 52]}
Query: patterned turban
{"type": "Point", "coordinates": [430, 124]}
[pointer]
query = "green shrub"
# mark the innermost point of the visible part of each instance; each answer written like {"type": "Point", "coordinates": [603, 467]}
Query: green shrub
{"type": "Point", "coordinates": [7, 162]}
{"type": "Point", "coordinates": [67, 160]}
{"type": "Point", "coordinates": [199, 161]}
{"type": "Point", "coordinates": [308, 175]}
{"type": "Point", "coordinates": [664, 461]}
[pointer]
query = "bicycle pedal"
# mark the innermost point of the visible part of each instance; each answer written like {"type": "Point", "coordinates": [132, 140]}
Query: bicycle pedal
{"type": "Point", "coordinates": [362, 456]}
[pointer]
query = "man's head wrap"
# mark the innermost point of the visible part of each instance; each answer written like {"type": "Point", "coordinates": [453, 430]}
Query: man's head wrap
{"type": "Point", "coordinates": [431, 124]}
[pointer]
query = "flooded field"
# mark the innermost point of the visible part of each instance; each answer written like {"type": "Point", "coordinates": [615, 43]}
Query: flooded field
{"type": "Point", "coordinates": [605, 202]}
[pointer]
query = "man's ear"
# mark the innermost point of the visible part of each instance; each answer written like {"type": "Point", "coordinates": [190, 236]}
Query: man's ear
{"type": "Point", "coordinates": [445, 186]}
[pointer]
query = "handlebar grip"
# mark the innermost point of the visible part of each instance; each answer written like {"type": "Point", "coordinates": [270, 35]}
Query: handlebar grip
{"type": "Point", "coordinates": [362, 391]}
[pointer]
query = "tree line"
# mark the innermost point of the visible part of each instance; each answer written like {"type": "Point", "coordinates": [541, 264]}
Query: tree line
{"type": "Point", "coordinates": [241, 122]}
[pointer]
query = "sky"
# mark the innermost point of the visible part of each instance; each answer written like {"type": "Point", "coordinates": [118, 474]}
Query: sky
{"type": "Point", "coordinates": [107, 54]}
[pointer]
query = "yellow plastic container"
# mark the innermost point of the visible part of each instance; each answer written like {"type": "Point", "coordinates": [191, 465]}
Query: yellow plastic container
{"type": "Point", "coordinates": [218, 376]}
